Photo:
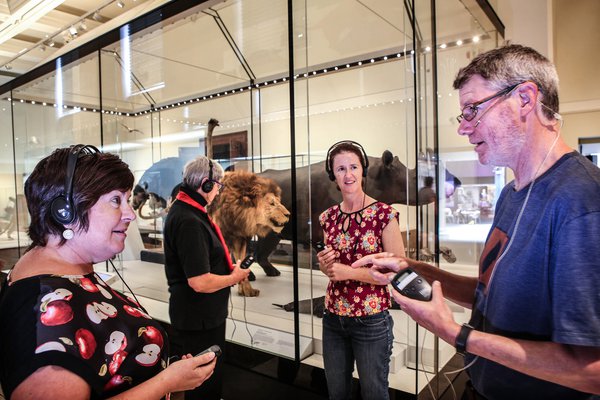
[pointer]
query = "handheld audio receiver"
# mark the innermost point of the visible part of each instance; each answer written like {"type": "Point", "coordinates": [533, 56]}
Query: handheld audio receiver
{"type": "Point", "coordinates": [318, 246]}
{"type": "Point", "coordinates": [410, 284]}
{"type": "Point", "coordinates": [214, 348]}
{"type": "Point", "coordinates": [247, 262]}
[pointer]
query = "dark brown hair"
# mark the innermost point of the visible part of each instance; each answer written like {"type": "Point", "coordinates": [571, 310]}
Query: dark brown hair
{"type": "Point", "coordinates": [345, 147]}
{"type": "Point", "coordinates": [95, 175]}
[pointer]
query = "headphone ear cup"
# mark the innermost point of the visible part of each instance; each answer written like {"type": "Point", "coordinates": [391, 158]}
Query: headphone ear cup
{"type": "Point", "coordinates": [365, 170]}
{"type": "Point", "coordinates": [330, 174]}
{"type": "Point", "coordinates": [207, 186]}
{"type": "Point", "coordinates": [62, 211]}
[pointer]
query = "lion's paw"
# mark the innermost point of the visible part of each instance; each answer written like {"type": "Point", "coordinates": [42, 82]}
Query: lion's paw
{"type": "Point", "coordinates": [246, 290]}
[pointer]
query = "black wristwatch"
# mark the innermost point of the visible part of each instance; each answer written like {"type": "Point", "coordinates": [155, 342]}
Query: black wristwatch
{"type": "Point", "coordinates": [461, 339]}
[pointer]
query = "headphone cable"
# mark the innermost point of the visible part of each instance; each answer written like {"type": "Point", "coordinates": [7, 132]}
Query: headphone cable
{"type": "Point", "coordinates": [508, 246]}
{"type": "Point", "coordinates": [128, 288]}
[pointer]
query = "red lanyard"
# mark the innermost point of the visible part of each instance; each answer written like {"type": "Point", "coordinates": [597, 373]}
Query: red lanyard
{"type": "Point", "coordinates": [182, 196]}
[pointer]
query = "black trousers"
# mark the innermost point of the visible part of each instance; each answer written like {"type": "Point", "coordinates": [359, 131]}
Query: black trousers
{"type": "Point", "coordinates": [194, 342]}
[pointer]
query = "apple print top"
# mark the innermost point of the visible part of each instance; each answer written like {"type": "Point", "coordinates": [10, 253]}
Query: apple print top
{"type": "Point", "coordinates": [79, 323]}
{"type": "Point", "coordinates": [354, 236]}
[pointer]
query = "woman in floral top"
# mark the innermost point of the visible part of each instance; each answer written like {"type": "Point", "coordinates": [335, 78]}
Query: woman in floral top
{"type": "Point", "coordinates": [64, 333]}
{"type": "Point", "coordinates": [356, 324]}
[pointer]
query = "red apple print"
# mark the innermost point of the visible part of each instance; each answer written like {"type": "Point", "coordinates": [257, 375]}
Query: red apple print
{"type": "Point", "coordinates": [118, 295]}
{"type": "Point", "coordinates": [88, 285]}
{"type": "Point", "coordinates": [132, 311]}
{"type": "Point", "coordinates": [58, 294]}
{"type": "Point", "coordinates": [149, 356]}
{"type": "Point", "coordinates": [116, 342]}
{"type": "Point", "coordinates": [108, 309]}
{"type": "Point", "coordinates": [133, 301]}
{"type": "Point", "coordinates": [50, 346]}
{"type": "Point", "coordinates": [57, 312]}
{"type": "Point", "coordinates": [86, 342]}
{"type": "Point", "coordinates": [151, 335]}
{"type": "Point", "coordinates": [135, 312]}
{"type": "Point", "coordinates": [104, 292]}
{"type": "Point", "coordinates": [116, 381]}
{"type": "Point", "coordinates": [116, 362]}
{"type": "Point", "coordinates": [97, 312]}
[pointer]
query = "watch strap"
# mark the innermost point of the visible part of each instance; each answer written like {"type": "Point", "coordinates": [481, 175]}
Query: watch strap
{"type": "Point", "coordinates": [461, 339]}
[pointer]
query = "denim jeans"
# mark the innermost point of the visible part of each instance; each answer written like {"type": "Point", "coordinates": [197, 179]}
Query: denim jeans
{"type": "Point", "coordinates": [366, 340]}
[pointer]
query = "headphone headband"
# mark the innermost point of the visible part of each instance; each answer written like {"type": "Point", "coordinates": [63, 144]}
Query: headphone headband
{"type": "Point", "coordinates": [209, 183]}
{"type": "Point", "coordinates": [62, 208]}
{"type": "Point", "coordinates": [329, 161]}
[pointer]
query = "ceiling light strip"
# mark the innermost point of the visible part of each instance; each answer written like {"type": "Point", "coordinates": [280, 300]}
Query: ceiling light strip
{"type": "Point", "coordinates": [262, 84]}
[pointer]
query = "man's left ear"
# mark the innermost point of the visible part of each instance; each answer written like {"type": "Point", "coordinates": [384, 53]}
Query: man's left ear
{"type": "Point", "coordinates": [524, 100]}
{"type": "Point", "coordinates": [527, 93]}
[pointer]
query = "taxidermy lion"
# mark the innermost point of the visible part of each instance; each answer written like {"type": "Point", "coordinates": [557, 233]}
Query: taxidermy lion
{"type": "Point", "coordinates": [247, 205]}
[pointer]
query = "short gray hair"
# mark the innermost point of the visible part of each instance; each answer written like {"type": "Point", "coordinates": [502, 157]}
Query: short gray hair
{"type": "Point", "coordinates": [511, 65]}
{"type": "Point", "coordinates": [197, 169]}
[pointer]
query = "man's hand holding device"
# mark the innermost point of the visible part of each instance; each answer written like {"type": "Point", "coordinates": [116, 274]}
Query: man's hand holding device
{"type": "Point", "coordinates": [410, 284]}
{"type": "Point", "coordinates": [434, 315]}
{"type": "Point", "coordinates": [389, 269]}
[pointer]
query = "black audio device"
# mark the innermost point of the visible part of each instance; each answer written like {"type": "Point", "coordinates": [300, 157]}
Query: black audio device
{"type": "Point", "coordinates": [247, 262]}
{"type": "Point", "coordinates": [411, 284]}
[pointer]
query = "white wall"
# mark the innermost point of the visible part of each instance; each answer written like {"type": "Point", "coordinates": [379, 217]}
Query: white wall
{"type": "Point", "coordinates": [568, 33]}
{"type": "Point", "coordinates": [528, 23]}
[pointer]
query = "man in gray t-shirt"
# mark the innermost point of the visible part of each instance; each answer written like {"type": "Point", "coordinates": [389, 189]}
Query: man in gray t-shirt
{"type": "Point", "coordinates": [534, 332]}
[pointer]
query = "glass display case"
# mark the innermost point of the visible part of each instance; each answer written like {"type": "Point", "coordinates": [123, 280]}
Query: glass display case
{"type": "Point", "coordinates": [267, 87]}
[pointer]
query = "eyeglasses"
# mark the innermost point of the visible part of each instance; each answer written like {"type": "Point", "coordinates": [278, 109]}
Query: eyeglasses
{"type": "Point", "coordinates": [469, 112]}
{"type": "Point", "coordinates": [218, 184]}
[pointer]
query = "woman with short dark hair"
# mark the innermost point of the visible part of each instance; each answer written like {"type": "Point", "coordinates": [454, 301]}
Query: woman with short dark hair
{"type": "Point", "coordinates": [64, 332]}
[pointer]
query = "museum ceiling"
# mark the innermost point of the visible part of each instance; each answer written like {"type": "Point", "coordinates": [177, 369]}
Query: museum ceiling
{"type": "Point", "coordinates": [32, 31]}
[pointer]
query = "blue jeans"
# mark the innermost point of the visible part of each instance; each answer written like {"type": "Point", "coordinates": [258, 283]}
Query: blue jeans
{"type": "Point", "coordinates": [368, 340]}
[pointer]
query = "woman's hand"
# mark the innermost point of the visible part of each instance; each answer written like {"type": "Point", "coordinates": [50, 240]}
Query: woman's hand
{"type": "Point", "coordinates": [190, 372]}
{"type": "Point", "coordinates": [326, 259]}
{"type": "Point", "coordinates": [339, 272]}
{"type": "Point", "coordinates": [240, 274]}
{"type": "Point", "coordinates": [384, 266]}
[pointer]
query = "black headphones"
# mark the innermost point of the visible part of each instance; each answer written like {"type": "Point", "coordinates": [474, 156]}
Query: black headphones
{"type": "Point", "coordinates": [209, 183]}
{"type": "Point", "coordinates": [329, 161]}
{"type": "Point", "coordinates": [62, 209]}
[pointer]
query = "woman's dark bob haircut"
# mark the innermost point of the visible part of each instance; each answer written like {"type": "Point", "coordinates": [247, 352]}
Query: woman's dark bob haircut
{"type": "Point", "coordinates": [95, 175]}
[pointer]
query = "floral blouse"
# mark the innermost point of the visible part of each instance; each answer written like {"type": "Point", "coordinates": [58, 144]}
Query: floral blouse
{"type": "Point", "coordinates": [354, 236]}
{"type": "Point", "coordinates": [78, 322]}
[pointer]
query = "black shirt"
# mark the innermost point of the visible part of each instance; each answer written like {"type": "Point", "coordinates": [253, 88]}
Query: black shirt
{"type": "Point", "coordinates": [79, 323]}
{"type": "Point", "coordinates": [192, 248]}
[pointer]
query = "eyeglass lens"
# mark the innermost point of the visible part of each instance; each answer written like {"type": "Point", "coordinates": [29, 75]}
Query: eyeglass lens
{"type": "Point", "coordinates": [470, 110]}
